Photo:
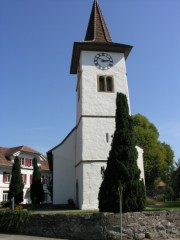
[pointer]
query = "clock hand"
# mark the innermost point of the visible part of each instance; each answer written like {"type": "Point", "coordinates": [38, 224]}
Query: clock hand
{"type": "Point", "coordinates": [104, 60]}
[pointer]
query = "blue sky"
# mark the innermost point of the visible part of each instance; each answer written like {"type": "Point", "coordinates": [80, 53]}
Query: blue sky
{"type": "Point", "coordinates": [38, 98]}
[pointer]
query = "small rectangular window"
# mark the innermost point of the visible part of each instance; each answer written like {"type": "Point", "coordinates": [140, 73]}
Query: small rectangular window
{"type": "Point", "coordinates": [5, 195]}
{"type": "Point", "coordinates": [101, 84]}
{"type": "Point", "coordinates": [21, 161]}
{"type": "Point", "coordinates": [6, 177]}
{"type": "Point", "coordinates": [109, 84]}
{"type": "Point", "coordinates": [105, 84]}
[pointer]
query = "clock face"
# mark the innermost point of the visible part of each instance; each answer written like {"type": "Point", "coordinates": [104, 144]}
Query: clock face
{"type": "Point", "coordinates": [103, 61]}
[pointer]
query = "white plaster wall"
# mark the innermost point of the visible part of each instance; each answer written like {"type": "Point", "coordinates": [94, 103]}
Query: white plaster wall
{"type": "Point", "coordinates": [64, 181]}
{"type": "Point", "coordinates": [95, 144]}
{"type": "Point", "coordinates": [92, 179]}
{"type": "Point", "coordinates": [140, 162]}
{"type": "Point", "coordinates": [99, 103]}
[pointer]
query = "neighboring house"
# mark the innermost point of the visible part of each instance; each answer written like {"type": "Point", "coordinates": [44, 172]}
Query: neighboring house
{"type": "Point", "coordinates": [26, 155]}
{"type": "Point", "coordinates": [79, 160]}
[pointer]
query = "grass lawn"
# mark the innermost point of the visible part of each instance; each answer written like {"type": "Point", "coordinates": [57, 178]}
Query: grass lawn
{"type": "Point", "coordinates": [169, 205]}
{"type": "Point", "coordinates": [158, 206]}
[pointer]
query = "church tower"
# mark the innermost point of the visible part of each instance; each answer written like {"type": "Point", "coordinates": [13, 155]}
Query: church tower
{"type": "Point", "coordinates": [79, 160]}
{"type": "Point", "coordinates": [101, 72]}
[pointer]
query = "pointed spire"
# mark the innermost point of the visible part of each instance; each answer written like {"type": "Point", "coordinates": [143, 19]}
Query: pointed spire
{"type": "Point", "coordinates": [97, 39]}
{"type": "Point", "coordinates": [97, 30]}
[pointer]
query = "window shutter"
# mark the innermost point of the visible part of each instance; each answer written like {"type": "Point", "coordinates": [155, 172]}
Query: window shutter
{"type": "Point", "coordinates": [26, 162]}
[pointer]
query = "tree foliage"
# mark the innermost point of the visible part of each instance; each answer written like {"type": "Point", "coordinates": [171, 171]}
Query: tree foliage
{"type": "Point", "coordinates": [16, 185]}
{"type": "Point", "coordinates": [176, 180]}
{"type": "Point", "coordinates": [37, 192]}
{"type": "Point", "coordinates": [158, 157]}
{"type": "Point", "coordinates": [122, 166]}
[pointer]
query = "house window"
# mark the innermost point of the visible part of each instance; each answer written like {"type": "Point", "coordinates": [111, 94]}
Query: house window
{"type": "Point", "coordinates": [105, 84]}
{"type": "Point", "coordinates": [22, 161]}
{"type": "Point", "coordinates": [101, 84]}
{"type": "Point", "coordinates": [45, 180]}
{"type": "Point", "coordinates": [6, 177]}
{"type": "Point", "coordinates": [5, 195]}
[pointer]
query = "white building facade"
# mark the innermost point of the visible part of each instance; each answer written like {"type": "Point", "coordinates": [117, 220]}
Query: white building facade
{"type": "Point", "coordinates": [78, 161]}
{"type": "Point", "coordinates": [25, 155]}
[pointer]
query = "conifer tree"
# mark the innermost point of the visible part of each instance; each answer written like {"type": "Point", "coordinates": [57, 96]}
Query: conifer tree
{"type": "Point", "coordinates": [37, 192]}
{"type": "Point", "coordinates": [122, 166]}
{"type": "Point", "coordinates": [16, 185]}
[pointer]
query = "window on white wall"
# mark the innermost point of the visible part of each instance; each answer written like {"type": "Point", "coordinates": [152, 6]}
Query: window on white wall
{"type": "Point", "coordinates": [105, 84]}
{"type": "Point", "coordinates": [6, 177]}
{"type": "Point", "coordinates": [5, 195]}
{"type": "Point", "coordinates": [22, 161]}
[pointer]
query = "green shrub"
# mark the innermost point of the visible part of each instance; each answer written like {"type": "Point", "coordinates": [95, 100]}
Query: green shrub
{"type": "Point", "coordinates": [150, 201]}
{"type": "Point", "coordinates": [5, 204]}
{"type": "Point", "coordinates": [13, 221]}
{"type": "Point", "coordinates": [160, 198]}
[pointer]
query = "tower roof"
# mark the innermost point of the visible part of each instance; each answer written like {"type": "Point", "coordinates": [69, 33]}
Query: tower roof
{"type": "Point", "coordinates": [97, 29]}
{"type": "Point", "coordinates": [97, 39]}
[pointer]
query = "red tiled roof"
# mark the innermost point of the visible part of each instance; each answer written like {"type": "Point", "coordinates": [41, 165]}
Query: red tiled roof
{"type": "Point", "coordinates": [44, 165]}
{"type": "Point", "coordinates": [162, 184]}
{"type": "Point", "coordinates": [3, 159]}
{"type": "Point", "coordinates": [5, 153]}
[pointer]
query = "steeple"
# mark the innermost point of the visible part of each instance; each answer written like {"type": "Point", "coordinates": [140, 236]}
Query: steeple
{"type": "Point", "coordinates": [97, 29]}
{"type": "Point", "coordinates": [97, 39]}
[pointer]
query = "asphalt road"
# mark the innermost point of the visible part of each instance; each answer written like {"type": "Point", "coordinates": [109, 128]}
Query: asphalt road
{"type": "Point", "coordinates": [24, 237]}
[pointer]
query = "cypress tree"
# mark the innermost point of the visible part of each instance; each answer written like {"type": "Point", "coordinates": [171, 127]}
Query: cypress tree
{"type": "Point", "coordinates": [37, 192]}
{"type": "Point", "coordinates": [16, 185]}
{"type": "Point", "coordinates": [122, 166]}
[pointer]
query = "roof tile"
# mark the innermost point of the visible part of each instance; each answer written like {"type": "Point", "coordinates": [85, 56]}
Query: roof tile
{"type": "Point", "coordinates": [97, 30]}
{"type": "Point", "coordinates": [5, 153]}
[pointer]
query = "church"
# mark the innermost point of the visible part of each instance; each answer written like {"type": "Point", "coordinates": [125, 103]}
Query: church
{"type": "Point", "coordinates": [78, 161]}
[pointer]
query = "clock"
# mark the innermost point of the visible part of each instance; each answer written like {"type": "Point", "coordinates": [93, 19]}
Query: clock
{"type": "Point", "coordinates": [103, 61]}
